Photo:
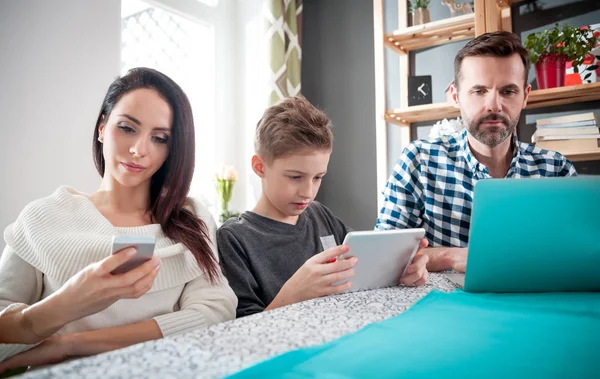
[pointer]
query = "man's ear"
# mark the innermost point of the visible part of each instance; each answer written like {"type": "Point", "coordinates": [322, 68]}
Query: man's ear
{"type": "Point", "coordinates": [527, 91]}
{"type": "Point", "coordinates": [258, 166]}
{"type": "Point", "coordinates": [454, 95]}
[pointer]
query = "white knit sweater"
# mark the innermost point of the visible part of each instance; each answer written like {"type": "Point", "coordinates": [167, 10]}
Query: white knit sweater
{"type": "Point", "coordinates": [57, 236]}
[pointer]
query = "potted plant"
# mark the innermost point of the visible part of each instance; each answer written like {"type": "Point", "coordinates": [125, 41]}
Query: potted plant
{"type": "Point", "coordinates": [550, 49]}
{"type": "Point", "coordinates": [420, 13]}
{"type": "Point", "coordinates": [225, 178]}
{"type": "Point", "coordinates": [590, 69]}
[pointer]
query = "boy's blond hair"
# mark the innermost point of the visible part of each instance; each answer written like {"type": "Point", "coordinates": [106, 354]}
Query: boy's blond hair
{"type": "Point", "coordinates": [291, 125]}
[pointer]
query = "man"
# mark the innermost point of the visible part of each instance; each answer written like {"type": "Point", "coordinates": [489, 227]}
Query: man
{"type": "Point", "coordinates": [432, 183]}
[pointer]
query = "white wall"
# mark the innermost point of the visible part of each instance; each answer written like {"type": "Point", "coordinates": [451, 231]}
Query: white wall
{"type": "Point", "coordinates": [57, 59]}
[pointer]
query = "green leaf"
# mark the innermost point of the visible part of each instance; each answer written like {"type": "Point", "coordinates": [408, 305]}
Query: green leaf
{"type": "Point", "coordinates": [567, 40]}
{"type": "Point", "coordinates": [587, 76]}
{"type": "Point", "coordinates": [592, 67]}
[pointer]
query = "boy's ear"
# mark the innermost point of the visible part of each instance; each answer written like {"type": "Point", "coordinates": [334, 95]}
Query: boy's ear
{"type": "Point", "coordinates": [258, 166]}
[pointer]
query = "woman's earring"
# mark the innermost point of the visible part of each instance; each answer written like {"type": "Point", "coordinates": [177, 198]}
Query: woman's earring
{"type": "Point", "coordinates": [100, 139]}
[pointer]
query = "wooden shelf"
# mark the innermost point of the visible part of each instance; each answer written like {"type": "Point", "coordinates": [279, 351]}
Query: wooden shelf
{"type": "Point", "coordinates": [581, 156]}
{"type": "Point", "coordinates": [564, 95]}
{"type": "Point", "coordinates": [425, 112]}
{"type": "Point", "coordinates": [432, 34]}
{"type": "Point", "coordinates": [537, 99]}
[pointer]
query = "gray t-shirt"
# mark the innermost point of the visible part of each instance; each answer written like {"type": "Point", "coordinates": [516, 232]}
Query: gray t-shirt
{"type": "Point", "coordinates": [258, 254]}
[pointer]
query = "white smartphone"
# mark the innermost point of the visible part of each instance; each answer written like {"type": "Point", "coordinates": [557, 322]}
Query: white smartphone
{"type": "Point", "coordinates": [144, 246]}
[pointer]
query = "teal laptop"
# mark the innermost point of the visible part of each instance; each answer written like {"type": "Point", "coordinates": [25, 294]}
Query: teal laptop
{"type": "Point", "coordinates": [535, 235]}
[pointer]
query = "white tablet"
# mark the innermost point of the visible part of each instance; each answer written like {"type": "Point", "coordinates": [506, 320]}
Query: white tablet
{"type": "Point", "coordinates": [382, 256]}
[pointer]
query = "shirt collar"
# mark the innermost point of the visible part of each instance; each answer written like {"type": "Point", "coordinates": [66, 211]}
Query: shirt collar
{"type": "Point", "coordinates": [518, 151]}
{"type": "Point", "coordinates": [479, 169]}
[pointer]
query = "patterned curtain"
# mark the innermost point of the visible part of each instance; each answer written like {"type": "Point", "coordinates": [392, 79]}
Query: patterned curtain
{"type": "Point", "coordinates": [284, 27]}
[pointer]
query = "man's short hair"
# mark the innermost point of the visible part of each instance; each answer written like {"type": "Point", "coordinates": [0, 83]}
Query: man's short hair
{"type": "Point", "coordinates": [291, 125]}
{"type": "Point", "coordinates": [496, 44]}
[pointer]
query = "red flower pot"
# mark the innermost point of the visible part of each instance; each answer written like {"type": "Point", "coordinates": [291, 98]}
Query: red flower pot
{"type": "Point", "coordinates": [550, 71]}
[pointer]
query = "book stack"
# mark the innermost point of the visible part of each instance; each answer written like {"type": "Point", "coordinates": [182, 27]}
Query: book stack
{"type": "Point", "coordinates": [569, 135]}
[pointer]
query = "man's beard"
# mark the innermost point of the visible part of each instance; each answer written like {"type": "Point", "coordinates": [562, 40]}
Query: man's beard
{"type": "Point", "coordinates": [493, 136]}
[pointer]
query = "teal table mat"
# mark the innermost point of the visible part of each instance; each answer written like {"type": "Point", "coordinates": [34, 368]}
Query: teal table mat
{"type": "Point", "coordinates": [461, 335]}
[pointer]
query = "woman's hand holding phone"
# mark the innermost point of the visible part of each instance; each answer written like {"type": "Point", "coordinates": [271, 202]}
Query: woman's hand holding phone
{"type": "Point", "coordinates": [90, 291]}
{"type": "Point", "coordinates": [94, 288]}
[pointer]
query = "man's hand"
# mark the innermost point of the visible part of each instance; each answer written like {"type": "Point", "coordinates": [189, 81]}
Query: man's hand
{"type": "Point", "coordinates": [446, 258]}
{"type": "Point", "coordinates": [458, 259]}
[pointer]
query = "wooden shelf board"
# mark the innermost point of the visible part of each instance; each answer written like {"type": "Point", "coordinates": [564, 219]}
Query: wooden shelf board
{"type": "Point", "coordinates": [425, 112]}
{"type": "Point", "coordinates": [434, 33]}
{"type": "Point", "coordinates": [507, 3]}
{"type": "Point", "coordinates": [539, 98]}
{"type": "Point", "coordinates": [564, 95]}
{"type": "Point", "coordinates": [581, 156]}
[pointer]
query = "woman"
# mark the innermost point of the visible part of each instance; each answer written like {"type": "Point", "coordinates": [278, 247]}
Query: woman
{"type": "Point", "coordinates": [58, 252]}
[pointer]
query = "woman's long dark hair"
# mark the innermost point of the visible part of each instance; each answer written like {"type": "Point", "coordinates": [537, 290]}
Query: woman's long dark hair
{"type": "Point", "coordinates": [170, 185]}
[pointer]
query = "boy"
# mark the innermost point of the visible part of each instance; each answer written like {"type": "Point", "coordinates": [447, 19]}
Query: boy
{"type": "Point", "coordinates": [284, 251]}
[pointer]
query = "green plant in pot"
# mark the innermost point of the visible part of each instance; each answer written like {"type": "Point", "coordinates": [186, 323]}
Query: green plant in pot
{"type": "Point", "coordinates": [420, 13]}
{"type": "Point", "coordinates": [225, 178]}
{"type": "Point", "coordinates": [550, 49]}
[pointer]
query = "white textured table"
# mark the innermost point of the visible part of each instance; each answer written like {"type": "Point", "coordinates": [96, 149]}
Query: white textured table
{"type": "Point", "coordinates": [228, 347]}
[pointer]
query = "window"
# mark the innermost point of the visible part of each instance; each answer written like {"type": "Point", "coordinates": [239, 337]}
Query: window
{"type": "Point", "coordinates": [185, 51]}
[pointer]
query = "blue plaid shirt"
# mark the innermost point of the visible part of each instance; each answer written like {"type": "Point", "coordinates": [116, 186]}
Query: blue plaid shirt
{"type": "Point", "coordinates": [432, 184]}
